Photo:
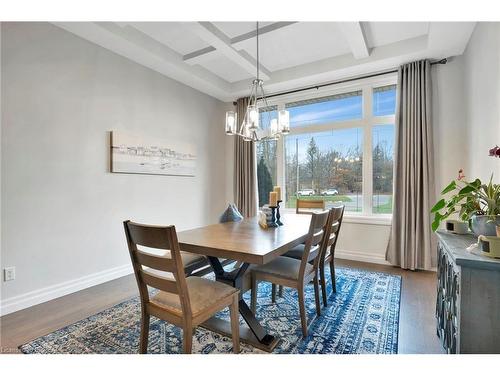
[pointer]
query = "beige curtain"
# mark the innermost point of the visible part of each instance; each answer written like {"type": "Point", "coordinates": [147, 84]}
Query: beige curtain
{"type": "Point", "coordinates": [245, 171]}
{"type": "Point", "coordinates": [412, 245]}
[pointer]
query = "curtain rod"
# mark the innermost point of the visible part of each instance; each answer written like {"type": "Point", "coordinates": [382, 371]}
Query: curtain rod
{"type": "Point", "coordinates": [441, 62]}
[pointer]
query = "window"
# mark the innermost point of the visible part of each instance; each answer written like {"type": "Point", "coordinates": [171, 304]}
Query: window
{"type": "Point", "coordinates": [340, 148]}
{"type": "Point", "coordinates": [341, 107]}
{"type": "Point", "coordinates": [384, 100]}
{"type": "Point", "coordinates": [325, 165]}
{"type": "Point", "coordinates": [266, 169]}
{"type": "Point", "coordinates": [266, 158]}
{"type": "Point", "coordinates": [383, 152]}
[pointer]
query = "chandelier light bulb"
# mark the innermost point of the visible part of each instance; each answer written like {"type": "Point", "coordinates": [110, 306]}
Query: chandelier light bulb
{"type": "Point", "coordinates": [231, 120]}
{"type": "Point", "coordinates": [274, 127]}
{"type": "Point", "coordinates": [284, 121]}
{"type": "Point", "coordinates": [253, 116]}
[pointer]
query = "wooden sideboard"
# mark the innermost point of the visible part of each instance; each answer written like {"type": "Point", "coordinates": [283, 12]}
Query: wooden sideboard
{"type": "Point", "coordinates": [468, 297]}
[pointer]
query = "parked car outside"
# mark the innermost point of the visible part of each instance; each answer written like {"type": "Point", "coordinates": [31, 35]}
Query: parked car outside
{"type": "Point", "coordinates": [306, 192]}
{"type": "Point", "coordinates": [330, 192]}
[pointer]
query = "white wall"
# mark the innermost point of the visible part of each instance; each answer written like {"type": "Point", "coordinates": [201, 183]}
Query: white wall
{"type": "Point", "coordinates": [482, 100]}
{"type": "Point", "coordinates": [62, 210]}
{"type": "Point", "coordinates": [448, 116]}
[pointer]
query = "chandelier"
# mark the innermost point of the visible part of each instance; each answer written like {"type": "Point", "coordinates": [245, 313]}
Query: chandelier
{"type": "Point", "coordinates": [274, 123]}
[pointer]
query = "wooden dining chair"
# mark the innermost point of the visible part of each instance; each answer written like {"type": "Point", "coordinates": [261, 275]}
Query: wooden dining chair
{"type": "Point", "coordinates": [309, 205]}
{"type": "Point", "coordinates": [184, 302]}
{"type": "Point", "coordinates": [328, 256]}
{"type": "Point", "coordinates": [327, 250]}
{"type": "Point", "coordinates": [296, 273]}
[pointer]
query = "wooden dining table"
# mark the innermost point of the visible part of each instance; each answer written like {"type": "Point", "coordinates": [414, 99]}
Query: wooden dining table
{"type": "Point", "coordinates": [247, 243]}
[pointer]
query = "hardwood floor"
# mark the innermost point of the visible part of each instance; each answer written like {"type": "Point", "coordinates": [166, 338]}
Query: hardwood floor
{"type": "Point", "coordinates": [417, 325]}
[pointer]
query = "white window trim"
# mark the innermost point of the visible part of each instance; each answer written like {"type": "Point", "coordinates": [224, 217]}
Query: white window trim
{"type": "Point", "coordinates": [367, 122]}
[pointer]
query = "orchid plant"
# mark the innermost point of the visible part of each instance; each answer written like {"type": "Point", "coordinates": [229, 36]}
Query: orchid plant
{"type": "Point", "coordinates": [469, 199]}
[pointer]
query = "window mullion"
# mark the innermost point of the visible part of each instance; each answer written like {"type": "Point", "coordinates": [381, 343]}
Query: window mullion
{"type": "Point", "coordinates": [367, 151]}
{"type": "Point", "coordinates": [280, 167]}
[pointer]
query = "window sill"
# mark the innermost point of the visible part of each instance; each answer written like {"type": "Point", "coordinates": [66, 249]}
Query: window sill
{"type": "Point", "coordinates": [368, 219]}
{"type": "Point", "coordinates": [350, 217]}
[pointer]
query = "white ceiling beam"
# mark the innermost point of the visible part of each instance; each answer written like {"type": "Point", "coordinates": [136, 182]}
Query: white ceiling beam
{"type": "Point", "coordinates": [197, 57]}
{"type": "Point", "coordinates": [220, 41]}
{"type": "Point", "coordinates": [382, 58]}
{"type": "Point", "coordinates": [262, 30]}
{"type": "Point", "coordinates": [353, 32]}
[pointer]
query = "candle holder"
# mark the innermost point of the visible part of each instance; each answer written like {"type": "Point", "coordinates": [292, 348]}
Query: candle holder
{"type": "Point", "coordinates": [278, 216]}
{"type": "Point", "coordinates": [273, 222]}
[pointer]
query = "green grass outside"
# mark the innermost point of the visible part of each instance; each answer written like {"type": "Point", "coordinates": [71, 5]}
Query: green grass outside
{"type": "Point", "coordinates": [383, 208]}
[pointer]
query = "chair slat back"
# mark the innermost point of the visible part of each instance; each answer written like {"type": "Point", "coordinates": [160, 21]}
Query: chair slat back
{"type": "Point", "coordinates": [336, 216]}
{"type": "Point", "coordinates": [159, 282]}
{"type": "Point", "coordinates": [148, 267]}
{"type": "Point", "coordinates": [313, 242]}
{"type": "Point", "coordinates": [317, 204]}
{"type": "Point", "coordinates": [156, 262]}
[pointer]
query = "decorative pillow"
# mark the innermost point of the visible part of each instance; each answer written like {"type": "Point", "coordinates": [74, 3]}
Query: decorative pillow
{"type": "Point", "coordinates": [231, 214]}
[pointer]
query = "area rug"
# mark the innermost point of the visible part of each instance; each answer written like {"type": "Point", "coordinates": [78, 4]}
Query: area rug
{"type": "Point", "coordinates": [362, 317]}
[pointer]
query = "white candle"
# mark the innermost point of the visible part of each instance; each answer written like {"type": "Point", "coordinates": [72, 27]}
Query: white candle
{"type": "Point", "coordinates": [273, 199]}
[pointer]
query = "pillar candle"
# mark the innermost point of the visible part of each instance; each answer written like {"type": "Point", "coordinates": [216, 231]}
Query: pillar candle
{"type": "Point", "coordinates": [273, 199]}
{"type": "Point", "coordinates": [277, 189]}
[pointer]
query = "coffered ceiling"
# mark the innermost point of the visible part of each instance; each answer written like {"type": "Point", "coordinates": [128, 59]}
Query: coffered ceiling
{"type": "Point", "coordinates": [219, 58]}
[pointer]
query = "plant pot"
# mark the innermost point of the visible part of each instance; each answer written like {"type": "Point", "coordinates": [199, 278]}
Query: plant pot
{"type": "Point", "coordinates": [484, 225]}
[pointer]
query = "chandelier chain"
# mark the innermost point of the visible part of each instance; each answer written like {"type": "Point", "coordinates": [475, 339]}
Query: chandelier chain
{"type": "Point", "coordinates": [257, 37]}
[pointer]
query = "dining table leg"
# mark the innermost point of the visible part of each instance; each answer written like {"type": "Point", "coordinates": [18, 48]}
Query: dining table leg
{"type": "Point", "coordinates": [255, 334]}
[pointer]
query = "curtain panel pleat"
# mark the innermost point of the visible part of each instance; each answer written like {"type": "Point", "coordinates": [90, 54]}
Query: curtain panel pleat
{"type": "Point", "coordinates": [412, 244]}
{"type": "Point", "coordinates": [245, 171]}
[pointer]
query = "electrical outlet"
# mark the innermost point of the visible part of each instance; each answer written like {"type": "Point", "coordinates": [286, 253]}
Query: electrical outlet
{"type": "Point", "coordinates": [9, 273]}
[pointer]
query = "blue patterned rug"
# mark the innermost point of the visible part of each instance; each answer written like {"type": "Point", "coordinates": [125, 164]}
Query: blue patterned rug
{"type": "Point", "coordinates": [362, 317]}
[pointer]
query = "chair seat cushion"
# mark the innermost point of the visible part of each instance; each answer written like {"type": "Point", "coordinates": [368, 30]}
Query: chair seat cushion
{"type": "Point", "coordinates": [296, 252]}
{"type": "Point", "coordinates": [203, 293]}
{"type": "Point", "coordinates": [189, 259]}
{"type": "Point", "coordinates": [284, 267]}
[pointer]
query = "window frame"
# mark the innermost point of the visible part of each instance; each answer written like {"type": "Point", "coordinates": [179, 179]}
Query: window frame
{"type": "Point", "coordinates": [367, 122]}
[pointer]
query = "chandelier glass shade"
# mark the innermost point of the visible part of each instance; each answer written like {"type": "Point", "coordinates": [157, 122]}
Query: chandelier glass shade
{"type": "Point", "coordinates": [257, 125]}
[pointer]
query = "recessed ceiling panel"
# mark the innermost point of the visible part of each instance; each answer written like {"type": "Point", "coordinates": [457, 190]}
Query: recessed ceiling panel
{"type": "Point", "coordinates": [381, 33]}
{"type": "Point", "coordinates": [298, 44]}
{"type": "Point", "coordinates": [172, 34]}
{"type": "Point", "coordinates": [224, 68]}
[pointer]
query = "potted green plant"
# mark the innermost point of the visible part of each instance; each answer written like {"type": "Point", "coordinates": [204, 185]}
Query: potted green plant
{"type": "Point", "coordinates": [474, 202]}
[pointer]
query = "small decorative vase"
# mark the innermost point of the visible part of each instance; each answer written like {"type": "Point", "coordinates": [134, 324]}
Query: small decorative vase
{"type": "Point", "coordinates": [484, 225]}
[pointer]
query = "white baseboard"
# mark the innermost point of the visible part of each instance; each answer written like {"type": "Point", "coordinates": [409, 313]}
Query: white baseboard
{"type": "Point", "coordinates": [38, 296]}
{"type": "Point", "coordinates": [361, 256]}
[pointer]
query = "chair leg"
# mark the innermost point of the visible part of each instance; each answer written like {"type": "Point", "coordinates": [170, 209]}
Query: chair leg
{"type": "Point", "coordinates": [273, 293]}
{"type": "Point", "coordinates": [187, 333]}
{"type": "Point", "coordinates": [332, 273]}
{"type": "Point", "coordinates": [316, 295]}
{"type": "Point", "coordinates": [143, 344]}
{"type": "Point", "coordinates": [255, 285]}
{"type": "Point", "coordinates": [280, 291]}
{"type": "Point", "coordinates": [235, 324]}
{"type": "Point", "coordinates": [323, 283]}
{"type": "Point", "coordinates": [302, 308]}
